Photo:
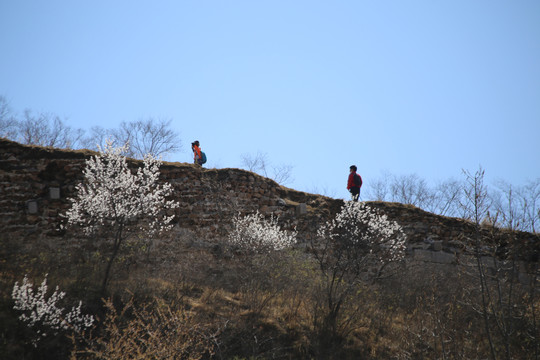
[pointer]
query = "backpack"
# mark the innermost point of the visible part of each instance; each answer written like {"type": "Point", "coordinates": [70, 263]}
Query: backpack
{"type": "Point", "coordinates": [203, 158]}
{"type": "Point", "coordinates": [357, 180]}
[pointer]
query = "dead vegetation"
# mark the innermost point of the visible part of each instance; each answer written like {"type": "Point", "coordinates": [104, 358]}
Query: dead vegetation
{"type": "Point", "coordinates": [203, 300]}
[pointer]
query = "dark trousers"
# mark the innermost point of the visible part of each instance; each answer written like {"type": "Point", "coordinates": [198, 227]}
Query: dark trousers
{"type": "Point", "coordinates": [355, 193]}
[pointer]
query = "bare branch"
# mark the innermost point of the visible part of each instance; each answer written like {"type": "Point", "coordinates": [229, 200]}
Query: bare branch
{"type": "Point", "coordinates": [144, 137]}
{"type": "Point", "coordinates": [259, 163]}
{"type": "Point", "coordinates": [47, 129]}
{"type": "Point", "coordinates": [8, 122]}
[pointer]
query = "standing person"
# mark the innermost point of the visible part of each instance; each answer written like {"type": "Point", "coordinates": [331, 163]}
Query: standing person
{"type": "Point", "coordinates": [197, 156]}
{"type": "Point", "coordinates": [354, 183]}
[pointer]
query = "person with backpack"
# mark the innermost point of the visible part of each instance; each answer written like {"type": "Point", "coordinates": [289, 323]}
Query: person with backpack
{"type": "Point", "coordinates": [199, 157]}
{"type": "Point", "coordinates": [354, 183]}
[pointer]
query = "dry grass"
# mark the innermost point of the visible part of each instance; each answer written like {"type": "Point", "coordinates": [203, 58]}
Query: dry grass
{"type": "Point", "coordinates": [220, 306]}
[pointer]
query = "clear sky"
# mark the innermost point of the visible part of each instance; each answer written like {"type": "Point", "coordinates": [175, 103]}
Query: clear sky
{"type": "Point", "coordinates": [410, 87]}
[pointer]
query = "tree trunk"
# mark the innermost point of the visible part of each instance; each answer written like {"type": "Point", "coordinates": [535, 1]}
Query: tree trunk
{"type": "Point", "coordinates": [116, 247]}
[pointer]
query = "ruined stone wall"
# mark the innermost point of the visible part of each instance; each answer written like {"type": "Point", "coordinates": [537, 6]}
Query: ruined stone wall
{"type": "Point", "coordinates": [35, 183]}
{"type": "Point", "coordinates": [446, 240]}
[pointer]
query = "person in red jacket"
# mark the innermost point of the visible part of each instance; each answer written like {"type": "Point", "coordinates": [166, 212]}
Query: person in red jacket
{"type": "Point", "coordinates": [197, 157]}
{"type": "Point", "coordinates": [354, 183]}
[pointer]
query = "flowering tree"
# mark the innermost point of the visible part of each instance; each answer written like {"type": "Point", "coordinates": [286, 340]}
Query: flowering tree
{"type": "Point", "coordinates": [353, 247]}
{"type": "Point", "coordinates": [256, 234]}
{"type": "Point", "coordinates": [260, 270]}
{"type": "Point", "coordinates": [114, 199]}
{"type": "Point", "coordinates": [366, 234]}
{"type": "Point", "coordinates": [44, 314]}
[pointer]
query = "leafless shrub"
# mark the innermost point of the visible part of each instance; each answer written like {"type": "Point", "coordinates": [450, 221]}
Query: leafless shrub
{"type": "Point", "coordinates": [152, 331]}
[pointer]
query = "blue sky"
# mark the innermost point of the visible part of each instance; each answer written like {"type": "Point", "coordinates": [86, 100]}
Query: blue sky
{"type": "Point", "coordinates": [409, 87]}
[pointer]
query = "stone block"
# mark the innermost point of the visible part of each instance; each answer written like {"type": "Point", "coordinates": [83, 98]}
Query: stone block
{"type": "Point", "coordinates": [54, 193]}
{"type": "Point", "coordinates": [32, 207]}
{"type": "Point", "coordinates": [439, 257]}
{"type": "Point", "coordinates": [422, 255]}
{"type": "Point", "coordinates": [442, 257]}
{"type": "Point", "coordinates": [301, 209]}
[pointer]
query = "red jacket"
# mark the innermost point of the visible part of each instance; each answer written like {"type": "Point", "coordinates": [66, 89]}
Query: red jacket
{"type": "Point", "coordinates": [196, 152]}
{"type": "Point", "coordinates": [350, 182]}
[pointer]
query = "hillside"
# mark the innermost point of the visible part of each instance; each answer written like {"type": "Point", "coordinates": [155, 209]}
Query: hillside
{"type": "Point", "coordinates": [36, 183]}
{"type": "Point", "coordinates": [193, 263]}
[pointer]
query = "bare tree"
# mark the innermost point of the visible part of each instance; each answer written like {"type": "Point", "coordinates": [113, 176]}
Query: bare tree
{"type": "Point", "coordinates": [506, 205]}
{"type": "Point", "coordinates": [505, 315]}
{"type": "Point", "coordinates": [530, 196]}
{"type": "Point", "coordinates": [380, 187]}
{"type": "Point", "coordinates": [476, 201]}
{"type": "Point", "coordinates": [282, 174]}
{"type": "Point", "coordinates": [446, 198]}
{"type": "Point", "coordinates": [8, 122]}
{"type": "Point", "coordinates": [145, 136]}
{"type": "Point", "coordinates": [47, 129]}
{"type": "Point", "coordinates": [516, 207]}
{"type": "Point", "coordinates": [97, 139]}
{"type": "Point", "coordinates": [259, 163]}
{"type": "Point", "coordinates": [149, 136]}
{"type": "Point", "coordinates": [323, 190]}
{"type": "Point", "coordinates": [406, 189]}
{"type": "Point", "coordinates": [509, 206]}
{"type": "Point", "coordinates": [256, 163]}
{"type": "Point", "coordinates": [476, 206]}
{"type": "Point", "coordinates": [411, 189]}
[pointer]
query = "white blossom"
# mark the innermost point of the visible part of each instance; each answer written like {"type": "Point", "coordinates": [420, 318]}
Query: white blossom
{"type": "Point", "coordinates": [41, 312]}
{"type": "Point", "coordinates": [364, 227]}
{"type": "Point", "coordinates": [112, 195]}
{"type": "Point", "coordinates": [255, 233]}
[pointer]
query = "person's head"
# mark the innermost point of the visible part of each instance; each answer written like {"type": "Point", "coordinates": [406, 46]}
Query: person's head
{"type": "Point", "coordinates": [195, 143]}
{"type": "Point", "coordinates": [353, 168]}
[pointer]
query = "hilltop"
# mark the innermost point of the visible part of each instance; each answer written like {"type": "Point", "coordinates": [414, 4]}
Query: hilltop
{"type": "Point", "coordinates": [36, 183]}
{"type": "Point", "coordinates": [192, 265]}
